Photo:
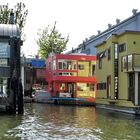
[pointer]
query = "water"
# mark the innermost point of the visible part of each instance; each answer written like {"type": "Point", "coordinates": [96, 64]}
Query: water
{"type": "Point", "coordinates": [51, 122]}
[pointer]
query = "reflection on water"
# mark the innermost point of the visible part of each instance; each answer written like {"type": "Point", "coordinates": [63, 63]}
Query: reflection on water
{"type": "Point", "coordinates": [51, 122]}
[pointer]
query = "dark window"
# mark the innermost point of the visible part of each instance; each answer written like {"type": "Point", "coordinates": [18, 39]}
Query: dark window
{"type": "Point", "coordinates": [109, 54]}
{"type": "Point", "coordinates": [81, 67]}
{"type": "Point", "coordinates": [101, 86]}
{"type": "Point", "coordinates": [49, 65]}
{"type": "Point", "coordinates": [60, 65]}
{"type": "Point", "coordinates": [122, 47]}
{"type": "Point", "coordinates": [91, 87]}
{"type": "Point", "coordinates": [100, 63]}
{"type": "Point", "coordinates": [74, 66]}
{"type": "Point", "coordinates": [93, 70]}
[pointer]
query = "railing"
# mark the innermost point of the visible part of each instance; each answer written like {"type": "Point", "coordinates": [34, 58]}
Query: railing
{"type": "Point", "coordinates": [131, 63]}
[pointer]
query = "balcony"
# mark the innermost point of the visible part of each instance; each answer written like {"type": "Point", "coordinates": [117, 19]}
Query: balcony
{"type": "Point", "coordinates": [131, 63]}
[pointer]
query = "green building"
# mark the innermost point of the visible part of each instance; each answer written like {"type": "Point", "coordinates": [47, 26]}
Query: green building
{"type": "Point", "coordinates": [118, 70]}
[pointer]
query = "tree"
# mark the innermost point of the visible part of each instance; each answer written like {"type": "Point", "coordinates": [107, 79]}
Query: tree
{"type": "Point", "coordinates": [20, 14]}
{"type": "Point", "coordinates": [51, 41]}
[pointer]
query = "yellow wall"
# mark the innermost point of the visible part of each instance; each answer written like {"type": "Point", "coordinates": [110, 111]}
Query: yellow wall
{"type": "Point", "coordinates": [131, 48]}
{"type": "Point", "coordinates": [106, 69]}
{"type": "Point", "coordinates": [123, 77]}
{"type": "Point", "coordinates": [86, 94]}
{"type": "Point", "coordinates": [87, 71]}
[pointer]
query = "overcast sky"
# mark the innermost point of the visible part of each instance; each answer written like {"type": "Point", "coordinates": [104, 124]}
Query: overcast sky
{"type": "Point", "coordinates": [79, 19]}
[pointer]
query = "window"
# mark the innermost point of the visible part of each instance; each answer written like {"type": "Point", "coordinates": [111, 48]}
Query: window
{"type": "Point", "coordinates": [81, 67]}
{"type": "Point", "coordinates": [3, 86]}
{"type": "Point", "coordinates": [130, 61]}
{"type": "Point", "coordinates": [69, 65]}
{"type": "Point", "coordinates": [100, 63]}
{"type": "Point", "coordinates": [122, 47]}
{"type": "Point", "coordinates": [54, 64]}
{"type": "Point", "coordinates": [109, 54]}
{"type": "Point", "coordinates": [49, 65]}
{"type": "Point", "coordinates": [91, 87]}
{"type": "Point", "coordinates": [101, 86]}
{"type": "Point", "coordinates": [93, 70]}
{"type": "Point", "coordinates": [82, 86]}
{"type": "Point", "coordinates": [60, 65]}
{"type": "Point", "coordinates": [100, 56]}
{"type": "Point", "coordinates": [3, 62]}
{"type": "Point", "coordinates": [116, 51]}
{"type": "Point", "coordinates": [62, 86]}
{"type": "Point", "coordinates": [66, 64]}
{"type": "Point", "coordinates": [124, 62]}
{"type": "Point", "coordinates": [75, 67]}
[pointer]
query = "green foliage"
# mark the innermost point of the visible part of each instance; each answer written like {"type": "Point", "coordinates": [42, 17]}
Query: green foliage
{"type": "Point", "coordinates": [20, 14]}
{"type": "Point", "coordinates": [51, 41]}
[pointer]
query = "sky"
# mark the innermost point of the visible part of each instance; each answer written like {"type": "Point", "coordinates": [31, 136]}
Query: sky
{"type": "Point", "coordinates": [79, 19]}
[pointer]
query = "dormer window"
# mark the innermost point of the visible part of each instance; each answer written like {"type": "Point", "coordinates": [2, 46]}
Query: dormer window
{"type": "Point", "coordinates": [122, 47]}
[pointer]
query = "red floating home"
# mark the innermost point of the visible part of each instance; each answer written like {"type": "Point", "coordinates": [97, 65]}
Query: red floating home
{"type": "Point", "coordinates": [71, 76]}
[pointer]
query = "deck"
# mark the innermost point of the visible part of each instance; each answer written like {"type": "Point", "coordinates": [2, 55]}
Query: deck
{"type": "Point", "coordinates": [71, 101]}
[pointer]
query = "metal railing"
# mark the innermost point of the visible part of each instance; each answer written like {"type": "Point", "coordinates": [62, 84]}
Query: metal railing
{"type": "Point", "coordinates": [131, 63]}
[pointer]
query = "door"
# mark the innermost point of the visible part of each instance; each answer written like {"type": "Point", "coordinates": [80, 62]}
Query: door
{"type": "Point", "coordinates": [139, 89]}
{"type": "Point", "coordinates": [71, 89]}
{"type": "Point", "coordinates": [131, 88]}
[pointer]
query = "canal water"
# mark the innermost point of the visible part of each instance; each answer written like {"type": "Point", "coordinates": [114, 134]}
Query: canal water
{"type": "Point", "coordinates": [56, 122]}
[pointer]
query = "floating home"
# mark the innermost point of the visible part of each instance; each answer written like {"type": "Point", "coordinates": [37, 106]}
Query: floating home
{"type": "Point", "coordinates": [118, 72]}
{"type": "Point", "coordinates": [71, 78]}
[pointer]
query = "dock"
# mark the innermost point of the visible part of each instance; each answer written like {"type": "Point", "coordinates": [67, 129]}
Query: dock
{"type": "Point", "coordinates": [70, 101]}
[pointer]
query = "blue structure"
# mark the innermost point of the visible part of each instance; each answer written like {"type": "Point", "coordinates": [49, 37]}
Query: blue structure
{"type": "Point", "coordinates": [70, 101]}
{"type": "Point", "coordinates": [38, 63]}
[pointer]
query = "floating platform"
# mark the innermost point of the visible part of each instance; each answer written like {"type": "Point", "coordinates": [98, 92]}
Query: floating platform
{"type": "Point", "coordinates": [71, 101]}
{"type": "Point", "coordinates": [130, 110]}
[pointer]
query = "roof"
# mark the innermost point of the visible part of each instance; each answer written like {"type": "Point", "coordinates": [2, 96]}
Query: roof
{"type": "Point", "coordinates": [124, 32]}
{"type": "Point", "coordinates": [112, 29]}
{"type": "Point", "coordinates": [74, 57]}
{"type": "Point", "coordinates": [9, 30]}
{"type": "Point", "coordinates": [108, 31]}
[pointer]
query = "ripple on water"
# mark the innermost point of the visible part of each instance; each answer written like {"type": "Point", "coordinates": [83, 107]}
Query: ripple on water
{"type": "Point", "coordinates": [36, 130]}
{"type": "Point", "coordinates": [45, 122]}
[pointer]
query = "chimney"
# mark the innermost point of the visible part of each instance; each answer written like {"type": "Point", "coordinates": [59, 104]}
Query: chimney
{"type": "Point", "coordinates": [109, 26]}
{"type": "Point", "coordinates": [86, 39]}
{"type": "Point", "coordinates": [134, 11]}
{"type": "Point", "coordinates": [11, 20]}
{"type": "Point", "coordinates": [99, 32]}
{"type": "Point", "coordinates": [117, 21]}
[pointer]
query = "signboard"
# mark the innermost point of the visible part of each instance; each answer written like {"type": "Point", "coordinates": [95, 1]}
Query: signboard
{"type": "Point", "coordinates": [116, 70]}
{"type": "Point", "coordinates": [3, 62]}
{"type": "Point", "coordinates": [4, 50]}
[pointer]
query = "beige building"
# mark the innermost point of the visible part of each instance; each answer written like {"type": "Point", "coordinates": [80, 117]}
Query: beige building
{"type": "Point", "coordinates": [118, 70]}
